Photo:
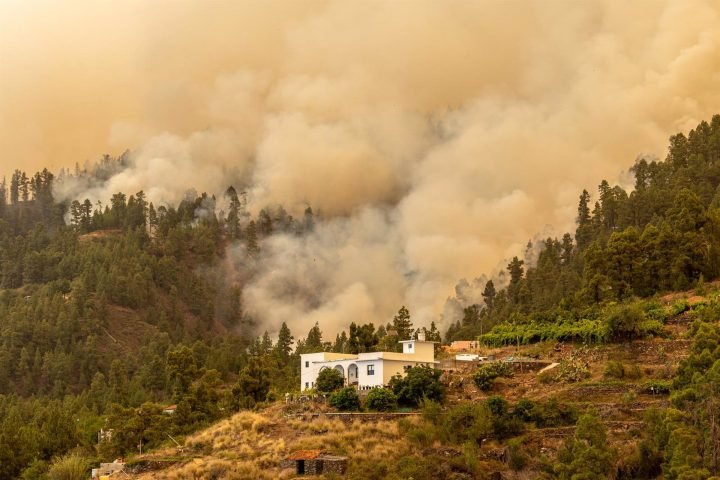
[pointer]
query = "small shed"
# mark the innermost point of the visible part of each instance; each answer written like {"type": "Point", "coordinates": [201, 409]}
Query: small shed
{"type": "Point", "coordinates": [315, 462]}
{"type": "Point", "coordinates": [464, 346]}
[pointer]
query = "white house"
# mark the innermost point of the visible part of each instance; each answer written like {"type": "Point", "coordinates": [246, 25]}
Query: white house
{"type": "Point", "coordinates": [370, 369]}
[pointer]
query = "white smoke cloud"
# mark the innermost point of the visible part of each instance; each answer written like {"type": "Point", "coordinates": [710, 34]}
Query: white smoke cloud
{"type": "Point", "coordinates": [436, 138]}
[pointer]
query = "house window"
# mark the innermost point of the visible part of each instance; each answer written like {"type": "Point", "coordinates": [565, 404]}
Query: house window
{"type": "Point", "coordinates": [307, 364]}
{"type": "Point", "coordinates": [307, 385]}
{"type": "Point", "coordinates": [371, 369]}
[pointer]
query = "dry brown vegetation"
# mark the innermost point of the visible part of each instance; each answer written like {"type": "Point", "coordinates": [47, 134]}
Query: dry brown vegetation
{"type": "Point", "coordinates": [251, 445]}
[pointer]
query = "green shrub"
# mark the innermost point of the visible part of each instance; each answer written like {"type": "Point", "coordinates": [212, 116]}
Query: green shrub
{"type": "Point", "coordinates": [423, 433]}
{"type": "Point", "coordinates": [329, 380]}
{"type": "Point", "coordinates": [470, 457]}
{"type": "Point", "coordinates": [69, 467]}
{"type": "Point", "coordinates": [346, 400]}
{"type": "Point", "coordinates": [418, 383]}
{"type": "Point", "coordinates": [633, 372]}
{"type": "Point", "coordinates": [618, 370]}
{"type": "Point", "coordinates": [467, 422]}
{"type": "Point", "coordinates": [504, 424]}
{"type": "Point", "coordinates": [523, 409]}
{"type": "Point", "coordinates": [586, 454]}
{"type": "Point", "coordinates": [614, 369]}
{"type": "Point", "coordinates": [431, 411]}
{"type": "Point", "coordinates": [678, 307]}
{"type": "Point", "coordinates": [656, 311]}
{"type": "Point", "coordinates": [497, 405]}
{"type": "Point", "coordinates": [517, 458]}
{"type": "Point", "coordinates": [553, 413]}
{"type": "Point", "coordinates": [626, 322]}
{"type": "Point", "coordinates": [486, 374]}
{"type": "Point", "coordinates": [37, 470]}
{"type": "Point", "coordinates": [573, 370]}
{"type": "Point", "coordinates": [381, 400]}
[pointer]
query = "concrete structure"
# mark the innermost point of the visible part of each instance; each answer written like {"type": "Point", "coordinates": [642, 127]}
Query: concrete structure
{"type": "Point", "coordinates": [107, 470]}
{"type": "Point", "coordinates": [314, 462]}
{"type": "Point", "coordinates": [370, 369]}
{"type": "Point", "coordinates": [470, 357]}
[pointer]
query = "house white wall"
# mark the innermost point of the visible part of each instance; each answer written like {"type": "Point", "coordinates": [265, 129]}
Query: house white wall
{"type": "Point", "coordinates": [374, 369]}
{"type": "Point", "coordinates": [311, 363]}
{"type": "Point", "coordinates": [365, 378]}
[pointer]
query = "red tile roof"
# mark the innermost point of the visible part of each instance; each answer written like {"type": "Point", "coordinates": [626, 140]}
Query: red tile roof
{"type": "Point", "coordinates": [305, 455]}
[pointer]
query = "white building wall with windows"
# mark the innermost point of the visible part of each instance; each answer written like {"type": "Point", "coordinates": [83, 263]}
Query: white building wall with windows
{"type": "Point", "coordinates": [369, 369]}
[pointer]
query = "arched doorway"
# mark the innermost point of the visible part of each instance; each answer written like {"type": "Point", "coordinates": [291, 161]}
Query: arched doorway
{"type": "Point", "coordinates": [340, 369]}
{"type": "Point", "coordinates": [352, 374]}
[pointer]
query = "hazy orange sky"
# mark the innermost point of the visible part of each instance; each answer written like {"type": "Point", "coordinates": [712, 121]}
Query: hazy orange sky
{"type": "Point", "coordinates": [440, 135]}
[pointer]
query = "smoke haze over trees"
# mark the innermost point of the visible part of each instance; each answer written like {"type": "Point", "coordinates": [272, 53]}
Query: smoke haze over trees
{"type": "Point", "coordinates": [434, 141]}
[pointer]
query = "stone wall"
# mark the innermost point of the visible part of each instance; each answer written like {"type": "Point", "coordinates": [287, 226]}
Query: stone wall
{"type": "Point", "coordinates": [313, 467]}
{"type": "Point", "coordinates": [337, 466]}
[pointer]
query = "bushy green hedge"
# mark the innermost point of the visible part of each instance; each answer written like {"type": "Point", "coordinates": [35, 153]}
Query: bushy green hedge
{"type": "Point", "coordinates": [346, 400]}
{"type": "Point", "coordinates": [594, 331]}
{"type": "Point", "coordinates": [617, 322]}
{"type": "Point", "coordinates": [329, 380]}
{"type": "Point", "coordinates": [418, 383]}
{"type": "Point", "coordinates": [381, 400]}
{"type": "Point", "coordinates": [486, 374]}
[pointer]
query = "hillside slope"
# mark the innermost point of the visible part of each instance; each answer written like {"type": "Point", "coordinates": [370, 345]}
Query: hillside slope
{"type": "Point", "coordinates": [620, 382]}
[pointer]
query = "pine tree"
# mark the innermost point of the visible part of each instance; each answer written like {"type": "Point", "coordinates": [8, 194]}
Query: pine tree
{"type": "Point", "coordinates": [402, 324]}
{"type": "Point", "coordinates": [516, 271]}
{"type": "Point", "coordinates": [471, 315]}
{"type": "Point", "coordinates": [233, 218]}
{"type": "Point", "coordinates": [253, 384]}
{"type": "Point", "coordinates": [266, 344]}
{"type": "Point", "coordinates": [24, 187]}
{"type": "Point", "coordinates": [587, 454]}
{"type": "Point", "coordinates": [75, 214]}
{"type": "Point", "coordinates": [584, 230]}
{"type": "Point", "coordinates": [313, 342]}
{"type": "Point", "coordinates": [265, 223]}
{"type": "Point", "coordinates": [283, 347]}
{"type": "Point", "coordinates": [152, 219]}
{"type": "Point", "coordinates": [251, 239]}
{"type": "Point", "coordinates": [15, 187]}
{"type": "Point", "coordinates": [488, 294]}
{"type": "Point", "coordinates": [567, 249]}
{"type": "Point", "coordinates": [433, 334]}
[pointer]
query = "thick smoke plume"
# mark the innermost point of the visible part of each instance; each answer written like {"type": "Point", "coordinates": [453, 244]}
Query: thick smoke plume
{"type": "Point", "coordinates": [436, 138]}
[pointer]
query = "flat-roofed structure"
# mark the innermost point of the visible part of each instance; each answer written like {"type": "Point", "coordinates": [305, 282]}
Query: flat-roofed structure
{"type": "Point", "coordinates": [369, 369]}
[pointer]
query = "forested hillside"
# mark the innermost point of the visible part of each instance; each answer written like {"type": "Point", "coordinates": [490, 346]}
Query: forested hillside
{"type": "Point", "coordinates": [110, 313]}
{"type": "Point", "coordinates": [121, 307]}
{"type": "Point", "coordinates": [664, 235]}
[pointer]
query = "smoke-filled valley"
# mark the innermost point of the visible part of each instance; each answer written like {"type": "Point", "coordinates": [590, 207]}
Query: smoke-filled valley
{"type": "Point", "coordinates": [434, 141]}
